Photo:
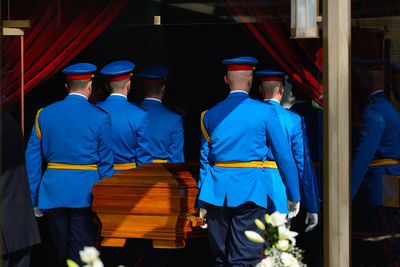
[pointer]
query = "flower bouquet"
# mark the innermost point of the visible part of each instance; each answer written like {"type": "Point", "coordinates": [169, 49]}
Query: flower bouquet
{"type": "Point", "coordinates": [283, 250]}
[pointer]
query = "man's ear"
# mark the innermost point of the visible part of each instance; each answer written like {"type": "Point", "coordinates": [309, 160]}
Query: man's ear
{"type": "Point", "coordinates": [281, 89]}
{"type": "Point", "coordinates": [250, 80]}
{"type": "Point", "coordinates": [90, 86]}
{"type": "Point", "coordinates": [66, 86]}
{"type": "Point", "coordinates": [226, 80]}
{"type": "Point", "coordinates": [128, 86]}
{"type": "Point", "coordinates": [163, 89]}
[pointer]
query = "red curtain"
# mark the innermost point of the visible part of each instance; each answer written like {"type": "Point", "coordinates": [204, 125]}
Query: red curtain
{"type": "Point", "coordinates": [59, 31]}
{"type": "Point", "coordinates": [272, 32]}
{"type": "Point", "coordinates": [300, 58]}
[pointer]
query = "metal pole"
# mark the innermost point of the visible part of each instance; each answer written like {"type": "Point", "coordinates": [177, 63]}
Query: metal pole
{"type": "Point", "coordinates": [22, 85]}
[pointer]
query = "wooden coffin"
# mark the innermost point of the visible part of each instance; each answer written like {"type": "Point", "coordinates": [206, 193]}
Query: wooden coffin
{"type": "Point", "coordinates": [153, 201]}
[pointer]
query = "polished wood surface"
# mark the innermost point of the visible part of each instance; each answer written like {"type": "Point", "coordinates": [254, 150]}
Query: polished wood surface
{"type": "Point", "coordinates": [337, 179]}
{"type": "Point", "coordinates": [154, 201]}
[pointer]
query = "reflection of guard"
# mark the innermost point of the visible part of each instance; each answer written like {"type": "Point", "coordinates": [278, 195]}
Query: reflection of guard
{"type": "Point", "coordinates": [165, 126]}
{"type": "Point", "coordinates": [232, 178]}
{"type": "Point", "coordinates": [128, 122]}
{"type": "Point", "coordinates": [377, 153]}
{"type": "Point", "coordinates": [74, 138]}
{"type": "Point", "coordinates": [296, 128]}
{"type": "Point", "coordinates": [272, 90]}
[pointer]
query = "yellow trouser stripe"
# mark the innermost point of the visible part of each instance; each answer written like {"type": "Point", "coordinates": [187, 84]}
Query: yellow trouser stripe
{"type": "Point", "coordinates": [203, 129]}
{"type": "Point", "coordinates": [124, 166]}
{"type": "Point", "coordinates": [382, 162]}
{"type": "Point", "coordinates": [65, 166]}
{"type": "Point", "coordinates": [247, 164]}
{"type": "Point", "coordinates": [37, 128]}
{"type": "Point", "coordinates": [160, 161]}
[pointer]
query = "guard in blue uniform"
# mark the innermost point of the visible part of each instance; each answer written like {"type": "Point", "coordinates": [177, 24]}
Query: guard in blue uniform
{"type": "Point", "coordinates": [313, 121]}
{"type": "Point", "coordinates": [312, 118]}
{"type": "Point", "coordinates": [377, 154]}
{"type": "Point", "coordinates": [272, 88]}
{"type": "Point", "coordinates": [129, 123]}
{"type": "Point", "coordinates": [238, 134]}
{"type": "Point", "coordinates": [73, 137]}
{"type": "Point", "coordinates": [294, 126]}
{"type": "Point", "coordinates": [166, 128]}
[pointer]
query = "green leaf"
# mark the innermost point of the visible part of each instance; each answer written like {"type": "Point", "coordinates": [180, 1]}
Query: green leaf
{"type": "Point", "coordinates": [71, 263]}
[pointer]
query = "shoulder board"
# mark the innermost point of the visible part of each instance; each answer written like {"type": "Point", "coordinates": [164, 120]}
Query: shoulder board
{"type": "Point", "coordinates": [203, 128]}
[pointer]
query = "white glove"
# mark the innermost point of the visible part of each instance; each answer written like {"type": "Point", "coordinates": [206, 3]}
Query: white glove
{"type": "Point", "coordinates": [294, 208]}
{"type": "Point", "coordinates": [37, 212]}
{"type": "Point", "coordinates": [202, 215]}
{"type": "Point", "coordinates": [311, 221]}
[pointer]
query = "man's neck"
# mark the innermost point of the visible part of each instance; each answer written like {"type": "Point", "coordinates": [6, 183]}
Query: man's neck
{"type": "Point", "coordinates": [120, 92]}
{"type": "Point", "coordinates": [237, 91]}
{"type": "Point", "coordinates": [154, 97]}
{"type": "Point", "coordinates": [272, 99]}
{"type": "Point", "coordinates": [80, 94]}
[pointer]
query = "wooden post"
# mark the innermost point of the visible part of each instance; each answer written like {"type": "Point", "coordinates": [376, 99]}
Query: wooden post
{"type": "Point", "coordinates": [337, 180]}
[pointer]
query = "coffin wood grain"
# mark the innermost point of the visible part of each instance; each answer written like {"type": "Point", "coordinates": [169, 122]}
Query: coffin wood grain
{"type": "Point", "coordinates": [152, 201]}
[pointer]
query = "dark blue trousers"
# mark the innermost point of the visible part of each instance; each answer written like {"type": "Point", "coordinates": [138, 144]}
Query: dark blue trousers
{"type": "Point", "coordinates": [72, 229]}
{"type": "Point", "coordinates": [226, 226]}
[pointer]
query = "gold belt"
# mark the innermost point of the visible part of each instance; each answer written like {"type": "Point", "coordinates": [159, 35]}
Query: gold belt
{"type": "Point", "coordinates": [160, 161]}
{"type": "Point", "coordinates": [382, 162]}
{"type": "Point", "coordinates": [124, 166]}
{"type": "Point", "coordinates": [65, 166]}
{"type": "Point", "coordinates": [247, 164]}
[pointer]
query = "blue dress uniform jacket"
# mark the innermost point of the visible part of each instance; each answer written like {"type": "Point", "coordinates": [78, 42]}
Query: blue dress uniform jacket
{"type": "Point", "coordinates": [72, 131]}
{"type": "Point", "coordinates": [129, 129]}
{"type": "Point", "coordinates": [379, 139]}
{"type": "Point", "coordinates": [242, 129]}
{"type": "Point", "coordinates": [295, 131]}
{"type": "Point", "coordinates": [313, 121]}
{"type": "Point", "coordinates": [165, 132]}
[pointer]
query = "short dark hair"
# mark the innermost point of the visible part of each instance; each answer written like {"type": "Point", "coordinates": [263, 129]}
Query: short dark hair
{"type": "Point", "coordinates": [152, 89]}
{"type": "Point", "coordinates": [118, 85]}
{"type": "Point", "coordinates": [74, 85]}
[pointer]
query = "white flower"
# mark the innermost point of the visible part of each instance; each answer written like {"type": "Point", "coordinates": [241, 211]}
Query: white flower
{"type": "Point", "coordinates": [285, 233]}
{"type": "Point", "coordinates": [89, 254]}
{"type": "Point", "coordinates": [266, 262]}
{"type": "Point", "coordinates": [276, 219]}
{"type": "Point", "coordinates": [283, 245]}
{"type": "Point", "coordinates": [289, 260]}
{"type": "Point", "coordinates": [254, 236]}
{"type": "Point", "coordinates": [259, 224]}
{"type": "Point", "coordinates": [98, 263]}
